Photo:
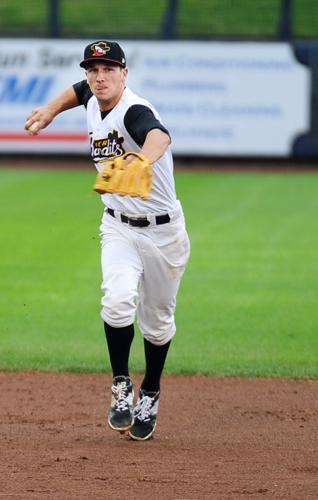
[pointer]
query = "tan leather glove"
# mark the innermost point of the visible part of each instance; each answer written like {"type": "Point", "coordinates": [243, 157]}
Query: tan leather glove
{"type": "Point", "coordinates": [133, 178]}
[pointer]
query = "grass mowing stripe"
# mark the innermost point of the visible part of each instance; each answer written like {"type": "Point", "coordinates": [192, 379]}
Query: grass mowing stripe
{"type": "Point", "coordinates": [247, 304]}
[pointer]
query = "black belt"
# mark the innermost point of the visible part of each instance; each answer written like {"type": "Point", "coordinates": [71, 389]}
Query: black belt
{"type": "Point", "coordinates": [140, 221]}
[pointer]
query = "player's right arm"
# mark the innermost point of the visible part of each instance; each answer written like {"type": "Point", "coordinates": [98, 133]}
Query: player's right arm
{"type": "Point", "coordinates": [42, 116]}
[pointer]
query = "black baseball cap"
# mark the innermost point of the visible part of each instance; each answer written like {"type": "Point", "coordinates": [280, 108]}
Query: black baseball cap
{"type": "Point", "coordinates": [104, 51]}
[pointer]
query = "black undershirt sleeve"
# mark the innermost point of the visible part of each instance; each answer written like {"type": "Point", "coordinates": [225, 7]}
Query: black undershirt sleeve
{"type": "Point", "coordinates": [139, 120]}
{"type": "Point", "coordinates": [83, 92]}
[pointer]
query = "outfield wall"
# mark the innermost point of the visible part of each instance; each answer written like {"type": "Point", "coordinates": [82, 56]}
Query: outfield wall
{"type": "Point", "coordinates": [216, 98]}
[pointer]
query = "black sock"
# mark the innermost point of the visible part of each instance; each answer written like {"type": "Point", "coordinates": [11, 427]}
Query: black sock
{"type": "Point", "coordinates": [119, 341]}
{"type": "Point", "coordinates": [155, 356]}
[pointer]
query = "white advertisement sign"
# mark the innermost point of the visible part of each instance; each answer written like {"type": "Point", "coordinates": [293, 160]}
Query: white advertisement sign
{"type": "Point", "coordinates": [229, 98]}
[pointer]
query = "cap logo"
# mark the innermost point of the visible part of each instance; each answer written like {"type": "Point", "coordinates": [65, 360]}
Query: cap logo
{"type": "Point", "coordinates": [100, 49]}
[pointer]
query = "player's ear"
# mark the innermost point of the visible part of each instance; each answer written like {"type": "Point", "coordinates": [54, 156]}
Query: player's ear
{"type": "Point", "coordinates": [125, 73]}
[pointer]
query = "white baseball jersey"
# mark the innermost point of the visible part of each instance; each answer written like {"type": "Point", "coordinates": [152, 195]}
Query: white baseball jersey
{"type": "Point", "coordinates": [109, 137]}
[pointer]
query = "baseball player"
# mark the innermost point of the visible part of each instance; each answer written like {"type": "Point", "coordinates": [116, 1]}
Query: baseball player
{"type": "Point", "coordinates": [145, 246]}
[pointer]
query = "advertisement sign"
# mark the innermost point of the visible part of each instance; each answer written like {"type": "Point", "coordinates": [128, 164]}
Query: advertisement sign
{"type": "Point", "coordinates": [225, 99]}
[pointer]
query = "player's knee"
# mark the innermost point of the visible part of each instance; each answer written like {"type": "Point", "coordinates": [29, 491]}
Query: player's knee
{"type": "Point", "coordinates": [117, 310]}
{"type": "Point", "coordinates": [157, 328]}
{"type": "Point", "coordinates": [157, 324]}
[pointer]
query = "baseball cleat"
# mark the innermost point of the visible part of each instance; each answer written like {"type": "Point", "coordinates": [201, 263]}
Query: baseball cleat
{"type": "Point", "coordinates": [120, 416]}
{"type": "Point", "coordinates": [145, 416]}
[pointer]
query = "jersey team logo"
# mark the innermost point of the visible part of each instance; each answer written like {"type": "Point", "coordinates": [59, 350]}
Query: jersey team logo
{"type": "Point", "coordinates": [110, 146]}
{"type": "Point", "coordinates": [99, 49]}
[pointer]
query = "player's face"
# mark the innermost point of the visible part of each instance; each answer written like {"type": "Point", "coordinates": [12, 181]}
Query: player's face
{"type": "Point", "coordinates": [107, 82]}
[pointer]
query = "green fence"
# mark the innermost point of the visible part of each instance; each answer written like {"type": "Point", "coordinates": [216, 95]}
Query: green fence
{"type": "Point", "coordinates": [180, 19]}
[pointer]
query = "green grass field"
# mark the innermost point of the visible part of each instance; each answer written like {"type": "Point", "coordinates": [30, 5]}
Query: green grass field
{"type": "Point", "coordinates": [248, 301]}
{"type": "Point", "coordinates": [196, 18]}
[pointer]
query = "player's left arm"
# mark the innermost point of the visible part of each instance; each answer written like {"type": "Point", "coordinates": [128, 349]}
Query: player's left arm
{"type": "Point", "coordinates": [147, 131]}
{"type": "Point", "coordinates": [155, 145]}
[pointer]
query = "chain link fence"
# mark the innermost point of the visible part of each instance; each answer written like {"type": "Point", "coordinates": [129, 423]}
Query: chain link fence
{"type": "Point", "coordinates": [179, 19]}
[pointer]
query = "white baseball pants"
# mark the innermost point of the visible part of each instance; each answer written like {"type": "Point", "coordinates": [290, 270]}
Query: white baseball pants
{"type": "Point", "coordinates": [142, 268]}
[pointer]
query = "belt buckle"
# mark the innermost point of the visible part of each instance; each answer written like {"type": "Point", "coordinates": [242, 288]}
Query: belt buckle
{"type": "Point", "coordinates": [138, 221]}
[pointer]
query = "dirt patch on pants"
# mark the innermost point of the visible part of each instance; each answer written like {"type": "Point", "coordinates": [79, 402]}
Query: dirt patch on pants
{"type": "Point", "coordinates": [216, 439]}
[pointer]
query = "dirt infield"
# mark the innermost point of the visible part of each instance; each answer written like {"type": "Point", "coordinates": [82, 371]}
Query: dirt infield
{"type": "Point", "coordinates": [216, 439]}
